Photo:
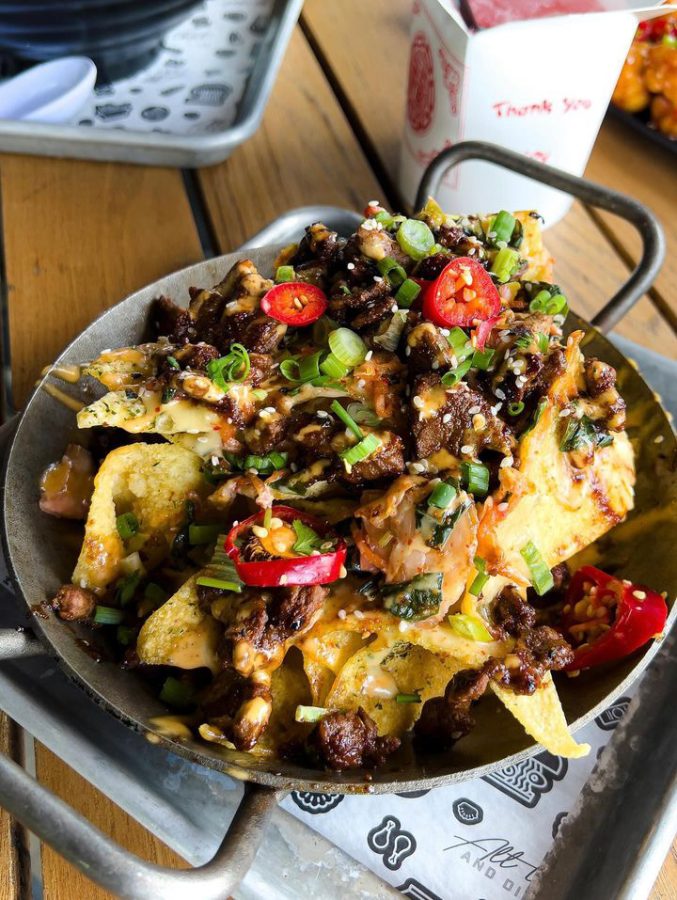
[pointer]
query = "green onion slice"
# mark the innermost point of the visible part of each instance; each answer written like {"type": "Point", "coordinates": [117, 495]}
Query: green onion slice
{"type": "Point", "coordinates": [203, 534]}
{"type": "Point", "coordinates": [108, 615]}
{"type": "Point", "coordinates": [392, 270]}
{"type": "Point", "coordinates": [347, 346]}
{"type": "Point", "coordinates": [543, 341]}
{"type": "Point", "coordinates": [363, 414]}
{"type": "Point", "coordinates": [541, 576]}
{"type": "Point", "coordinates": [127, 525]}
{"type": "Point", "coordinates": [332, 367]}
{"type": "Point", "coordinates": [502, 227]}
{"type": "Point", "coordinates": [126, 588]}
{"type": "Point", "coordinates": [407, 293]}
{"type": "Point", "coordinates": [221, 572]}
{"type": "Point", "coordinates": [361, 451]}
{"type": "Point", "coordinates": [347, 419]}
{"type": "Point", "coordinates": [476, 478]}
{"type": "Point", "coordinates": [385, 218]}
{"type": "Point", "coordinates": [505, 264]}
{"type": "Point", "coordinates": [550, 304]}
{"type": "Point", "coordinates": [442, 495]}
{"type": "Point", "coordinates": [234, 367]}
{"type": "Point", "coordinates": [310, 713]}
{"type": "Point", "coordinates": [449, 379]}
{"type": "Point", "coordinates": [290, 369]}
{"type": "Point", "coordinates": [408, 698]}
{"type": "Point", "coordinates": [469, 627]}
{"type": "Point", "coordinates": [176, 693]}
{"type": "Point", "coordinates": [460, 343]}
{"type": "Point", "coordinates": [309, 367]}
{"type": "Point", "coordinates": [481, 359]}
{"type": "Point", "coordinates": [480, 579]}
{"type": "Point", "coordinates": [514, 409]}
{"type": "Point", "coordinates": [285, 273]}
{"type": "Point", "coordinates": [173, 362]}
{"type": "Point", "coordinates": [415, 238]}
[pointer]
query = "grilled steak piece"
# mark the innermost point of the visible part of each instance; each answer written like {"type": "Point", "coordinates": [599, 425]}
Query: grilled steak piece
{"type": "Point", "coordinates": [238, 707]}
{"type": "Point", "coordinates": [349, 740]}
{"type": "Point", "coordinates": [73, 603]}
{"type": "Point", "coordinates": [511, 613]}
{"type": "Point", "coordinates": [386, 462]}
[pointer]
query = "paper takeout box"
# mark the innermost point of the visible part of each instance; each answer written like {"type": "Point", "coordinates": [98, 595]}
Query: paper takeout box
{"type": "Point", "coordinates": [540, 86]}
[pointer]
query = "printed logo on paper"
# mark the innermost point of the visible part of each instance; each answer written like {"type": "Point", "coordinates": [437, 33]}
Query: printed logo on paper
{"type": "Point", "coordinates": [526, 782]}
{"type": "Point", "coordinates": [451, 75]}
{"type": "Point", "coordinates": [417, 891]}
{"type": "Point", "coordinates": [421, 91]}
{"type": "Point", "coordinates": [467, 812]}
{"type": "Point", "coordinates": [557, 823]}
{"type": "Point", "coordinates": [391, 842]}
{"type": "Point", "coordinates": [315, 804]}
{"type": "Point", "coordinates": [413, 795]}
{"type": "Point", "coordinates": [610, 718]}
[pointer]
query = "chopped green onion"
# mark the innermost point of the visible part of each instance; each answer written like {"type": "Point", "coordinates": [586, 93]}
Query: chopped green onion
{"type": "Point", "coordinates": [514, 409]}
{"type": "Point", "coordinates": [363, 414]}
{"type": "Point", "coordinates": [219, 583]}
{"type": "Point", "coordinates": [172, 362]}
{"type": "Point", "coordinates": [126, 588]}
{"type": "Point", "coordinates": [384, 217]}
{"type": "Point", "coordinates": [127, 525]}
{"type": "Point", "coordinates": [469, 627]}
{"type": "Point", "coordinates": [525, 341]}
{"type": "Point", "coordinates": [290, 369]}
{"type": "Point", "coordinates": [310, 713]}
{"type": "Point", "coordinates": [347, 419]}
{"type": "Point", "coordinates": [476, 478]}
{"type": "Point", "coordinates": [309, 367]}
{"type": "Point", "coordinates": [125, 635]}
{"type": "Point", "coordinates": [449, 379]}
{"type": "Point", "coordinates": [155, 593]}
{"type": "Point", "coordinates": [168, 394]}
{"type": "Point", "coordinates": [408, 698]}
{"type": "Point", "coordinates": [480, 579]}
{"type": "Point", "coordinates": [221, 572]}
{"type": "Point", "coordinates": [347, 346]}
{"type": "Point", "coordinates": [176, 693]}
{"type": "Point", "coordinates": [541, 576]}
{"type": "Point", "coordinates": [263, 465]}
{"type": "Point", "coordinates": [203, 534]}
{"type": "Point", "coordinates": [442, 495]}
{"type": "Point", "coordinates": [285, 273]}
{"type": "Point", "coordinates": [505, 264]}
{"type": "Point", "coordinates": [321, 330]}
{"type": "Point", "coordinates": [550, 304]}
{"type": "Point", "coordinates": [259, 394]}
{"type": "Point", "coordinates": [333, 367]}
{"type": "Point", "coordinates": [234, 367]}
{"type": "Point", "coordinates": [501, 227]}
{"type": "Point", "coordinates": [361, 451]}
{"type": "Point", "coordinates": [543, 341]}
{"type": "Point", "coordinates": [460, 343]}
{"type": "Point", "coordinates": [307, 539]}
{"type": "Point", "coordinates": [407, 293]}
{"type": "Point", "coordinates": [392, 270]}
{"type": "Point", "coordinates": [108, 615]}
{"type": "Point", "coordinates": [481, 359]}
{"type": "Point", "coordinates": [415, 238]}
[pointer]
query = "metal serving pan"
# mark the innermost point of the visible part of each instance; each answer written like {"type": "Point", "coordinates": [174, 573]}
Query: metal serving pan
{"type": "Point", "coordinates": [41, 557]}
{"type": "Point", "coordinates": [185, 151]}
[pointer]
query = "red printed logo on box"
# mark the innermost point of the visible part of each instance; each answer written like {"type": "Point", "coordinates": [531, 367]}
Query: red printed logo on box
{"type": "Point", "coordinates": [452, 79]}
{"type": "Point", "coordinates": [421, 93]}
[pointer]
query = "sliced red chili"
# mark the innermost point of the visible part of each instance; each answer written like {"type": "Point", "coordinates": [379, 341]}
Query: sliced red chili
{"type": "Point", "coordinates": [606, 618]}
{"type": "Point", "coordinates": [288, 570]}
{"type": "Point", "coordinates": [294, 303]}
{"type": "Point", "coordinates": [462, 295]}
{"type": "Point", "coordinates": [483, 331]}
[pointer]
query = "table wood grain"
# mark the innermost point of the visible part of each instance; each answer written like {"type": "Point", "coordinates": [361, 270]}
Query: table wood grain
{"type": "Point", "coordinates": [78, 236]}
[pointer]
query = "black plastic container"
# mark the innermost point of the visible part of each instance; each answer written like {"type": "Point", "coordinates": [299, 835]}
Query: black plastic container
{"type": "Point", "coordinates": [121, 36]}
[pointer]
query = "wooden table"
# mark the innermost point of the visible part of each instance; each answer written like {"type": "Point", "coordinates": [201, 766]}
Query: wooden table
{"type": "Point", "coordinates": [79, 236]}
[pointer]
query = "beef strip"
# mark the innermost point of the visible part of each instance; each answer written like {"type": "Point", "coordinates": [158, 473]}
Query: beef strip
{"type": "Point", "coordinates": [73, 603]}
{"type": "Point", "coordinates": [255, 331]}
{"type": "Point", "coordinates": [600, 381]}
{"type": "Point", "coordinates": [441, 418]}
{"type": "Point", "coordinates": [239, 707]}
{"type": "Point", "coordinates": [445, 719]}
{"type": "Point", "coordinates": [386, 462]}
{"type": "Point", "coordinates": [349, 740]}
{"type": "Point", "coordinates": [429, 349]}
{"type": "Point", "coordinates": [364, 306]}
{"type": "Point", "coordinates": [196, 356]}
{"type": "Point", "coordinates": [539, 650]}
{"type": "Point", "coordinates": [319, 243]}
{"type": "Point", "coordinates": [512, 615]}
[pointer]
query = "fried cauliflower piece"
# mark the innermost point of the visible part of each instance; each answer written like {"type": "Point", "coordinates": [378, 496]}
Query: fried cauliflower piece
{"type": "Point", "coordinates": [152, 481]}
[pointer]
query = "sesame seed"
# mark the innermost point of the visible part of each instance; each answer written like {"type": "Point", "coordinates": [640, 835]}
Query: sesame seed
{"type": "Point", "coordinates": [445, 331]}
{"type": "Point", "coordinates": [350, 266]}
{"type": "Point", "coordinates": [474, 410]}
{"type": "Point", "coordinates": [322, 414]}
{"type": "Point", "coordinates": [378, 279]}
{"type": "Point", "coordinates": [407, 351]}
{"type": "Point", "coordinates": [374, 203]}
{"type": "Point", "coordinates": [466, 450]}
{"type": "Point", "coordinates": [640, 595]}
{"type": "Point", "coordinates": [229, 420]}
{"type": "Point", "coordinates": [506, 462]}
{"type": "Point", "coordinates": [342, 614]}
{"type": "Point", "coordinates": [294, 467]}
{"type": "Point", "coordinates": [495, 409]}
{"type": "Point", "coordinates": [403, 626]}
{"type": "Point", "coordinates": [215, 460]}
{"type": "Point", "coordinates": [418, 402]}
{"type": "Point", "coordinates": [446, 418]}
{"type": "Point", "coordinates": [499, 393]}
{"type": "Point", "coordinates": [361, 383]}
{"type": "Point", "coordinates": [502, 507]}
{"type": "Point", "coordinates": [202, 439]}
{"type": "Point", "coordinates": [563, 413]}
{"type": "Point", "coordinates": [658, 439]}
{"type": "Point", "coordinates": [369, 355]}
{"type": "Point", "coordinates": [283, 579]}
{"type": "Point", "coordinates": [435, 365]}
{"type": "Point", "coordinates": [416, 467]}
{"type": "Point", "coordinates": [358, 614]}
{"type": "Point", "coordinates": [315, 553]}
{"type": "Point", "coordinates": [394, 308]}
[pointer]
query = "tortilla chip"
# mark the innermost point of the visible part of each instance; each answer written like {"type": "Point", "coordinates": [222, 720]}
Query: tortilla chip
{"type": "Point", "coordinates": [180, 634]}
{"type": "Point", "coordinates": [541, 715]}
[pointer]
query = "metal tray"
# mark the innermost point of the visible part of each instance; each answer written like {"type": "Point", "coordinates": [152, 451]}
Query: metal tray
{"type": "Point", "coordinates": [152, 148]}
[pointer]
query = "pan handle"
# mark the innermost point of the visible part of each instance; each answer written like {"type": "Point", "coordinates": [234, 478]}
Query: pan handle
{"type": "Point", "coordinates": [645, 222]}
{"type": "Point", "coordinates": [122, 872]}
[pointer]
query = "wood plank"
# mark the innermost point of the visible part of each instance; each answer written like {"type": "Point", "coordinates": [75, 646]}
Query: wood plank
{"type": "Point", "coordinates": [62, 881]}
{"type": "Point", "coordinates": [587, 270]}
{"type": "Point", "coordinates": [14, 864]}
{"type": "Point", "coordinates": [304, 153]}
{"type": "Point", "coordinates": [78, 237]}
{"type": "Point", "coordinates": [624, 160]}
